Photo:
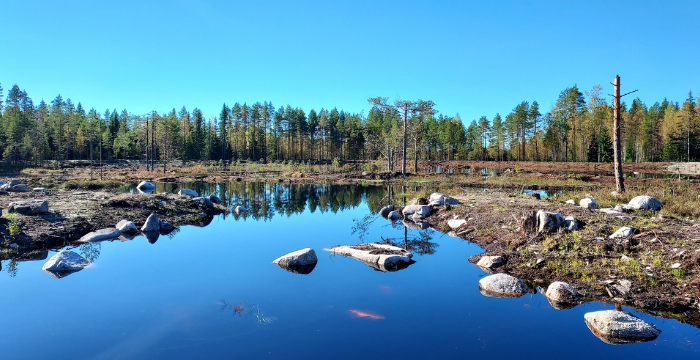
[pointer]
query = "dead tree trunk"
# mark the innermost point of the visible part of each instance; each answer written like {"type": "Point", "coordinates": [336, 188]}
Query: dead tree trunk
{"type": "Point", "coordinates": [619, 179]}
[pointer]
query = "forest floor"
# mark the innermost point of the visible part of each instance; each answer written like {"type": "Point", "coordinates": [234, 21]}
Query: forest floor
{"type": "Point", "coordinates": [661, 261]}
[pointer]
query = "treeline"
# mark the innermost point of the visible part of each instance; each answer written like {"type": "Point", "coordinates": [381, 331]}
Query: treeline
{"type": "Point", "coordinates": [577, 128]}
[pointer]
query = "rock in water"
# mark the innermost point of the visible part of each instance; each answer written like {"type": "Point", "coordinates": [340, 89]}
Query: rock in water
{"type": "Point", "coordinates": [126, 226]}
{"type": "Point", "coordinates": [623, 232]}
{"type": "Point", "coordinates": [204, 201]}
{"type": "Point", "coordinates": [393, 216]}
{"type": "Point", "coordinates": [299, 262]}
{"type": "Point", "coordinates": [490, 262]}
{"type": "Point", "coordinates": [384, 212]}
{"type": "Point", "coordinates": [215, 199]}
{"type": "Point", "coordinates": [188, 192]}
{"type": "Point", "coordinates": [379, 256]}
{"type": "Point", "coordinates": [561, 294]}
{"type": "Point", "coordinates": [549, 222]}
{"type": "Point", "coordinates": [29, 207]}
{"type": "Point", "coordinates": [101, 235]}
{"type": "Point", "coordinates": [151, 224]}
{"type": "Point", "coordinates": [421, 210]}
{"type": "Point", "coordinates": [618, 327]}
{"type": "Point", "coordinates": [455, 223]}
{"type": "Point", "coordinates": [64, 263]}
{"type": "Point", "coordinates": [145, 185]}
{"type": "Point", "coordinates": [502, 285]}
{"type": "Point", "coordinates": [645, 202]}
{"type": "Point", "coordinates": [588, 203]}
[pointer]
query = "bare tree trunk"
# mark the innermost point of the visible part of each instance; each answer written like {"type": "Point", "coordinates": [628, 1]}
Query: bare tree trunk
{"type": "Point", "coordinates": [619, 179]}
{"type": "Point", "coordinates": [405, 129]}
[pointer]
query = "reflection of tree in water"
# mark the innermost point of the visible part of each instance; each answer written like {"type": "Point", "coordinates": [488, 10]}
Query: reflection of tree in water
{"type": "Point", "coordinates": [264, 200]}
{"type": "Point", "coordinates": [12, 268]}
{"type": "Point", "coordinates": [244, 309]}
{"type": "Point", "coordinates": [90, 251]}
{"type": "Point", "coordinates": [361, 226]}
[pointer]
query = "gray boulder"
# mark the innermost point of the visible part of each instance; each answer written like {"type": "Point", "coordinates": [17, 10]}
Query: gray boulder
{"type": "Point", "coordinates": [384, 212]}
{"type": "Point", "coordinates": [490, 262]}
{"type": "Point", "coordinates": [19, 188]}
{"type": "Point", "coordinates": [502, 285]}
{"type": "Point", "coordinates": [39, 189]}
{"type": "Point", "coordinates": [126, 226]}
{"type": "Point", "coordinates": [618, 327]}
{"type": "Point", "coordinates": [301, 257]}
{"type": "Point", "coordinates": [240, 209]}
{"type": "Point", "coordinates": [65, 262]}
{"type": "Point", "coordinates": [622, 233]}
{"type": "Point", "coordinates": [588, 203]}
{"type": "Point", "coordinates": [188, 192]}
{"type": "Point", "coordinates": [571, 223]}
{"type": "Point", "coordinates": [204, 201]}
{"type": "Point", "coordinates": [145, 185]}
{"type": "Point", "coordinates": [455, 223]}
{"type": "Point", "coordinates": [561, 293]}
{"type": "Point", "coordinates": [15, 182]}
{"type": "Point", "coordinates": [151, 224]}
{"type": "Point", "coordinates": [437, 199]}
{"type": "Point", "coordinates": [393, 216]}
{"type": "Point", "coordinates": [421, 210]}
{"type": "Point", "coordinates": [215, 199]}
{"type": "Point", "coordinates": [549, 222]}
{"type": "Point", "coordinates": [645, 202]}
{"type": "Point", "coordinates": [571, 201]}
{"type": "Point", "coordinates": [382, 257]}
{"type": "Point", "coordinates": [29, 207]}
{"type": "Point", "coordinates": [100, 235]}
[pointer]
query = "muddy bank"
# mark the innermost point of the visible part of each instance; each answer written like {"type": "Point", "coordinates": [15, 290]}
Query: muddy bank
{"type": "Point", "coordinates": [656, 270]}
{"type": "Point", "coordinates": [73, 214]}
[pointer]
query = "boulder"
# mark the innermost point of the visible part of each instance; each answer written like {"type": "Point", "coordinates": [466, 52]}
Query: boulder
{"type": "Point", "coordinates": [19, 188]}
{"type": "Point", "coordinates": [29, 207]}
{"type": "Point", "coordinates": [645, 202]}
{"type": "Point", "coordinates": [188, 192]}
{"type": "Point", "coordinates": [384, 212]}
{"type": "Point", "coordinates": [571, 201]}
{"type": "Point", "coordinates": [382, 257]}
{"type": "Point", "coordinates": [588, 203]}
{"type": "Point", "coordinates": [39, 189]}
{"type": "Point", "coordinates": [100, 235]}
{"type": "Point", "coordinates": [455, 223]}
{"type": "Point", "coordinates": [571, 223]}
{"type": "Point", "coordinates": [549, 222]}
{"type": "Point", "coordinates": [240, 209]}
{"type": "Point", "coordinates": [298, 259]}
{"type": "Point", "coordinates": [166, 227]}
{"type": "Point", "coordinates": [451, 201]}
{"type": "Point", "coordinates": [151, 224]}
{"type": "Point", "coordinates": [437, 199]}
{"type": "Point", "coordinates": [64, 263]}
{"type": "Point", "coordinates": [393, 216]}
{"type": "Point", "coordinates": [490, 262]}
{"type": "Point", "coordinates": [215, 199]}
{"type": "Point", "coordinates": [618, 327]}
{"type": "Point", "coordinates": [622, 233]}
{"type": "Point", "coordinates": [204, 201]}
{"type": "Point", "coordinates": [145, 185]}
{"type": "Point", "coordinates": [126, 226]}
{"type": "Point", "coordinates": [502, 285]}
{"type": "Point", "coordinates": [421, 210]}
{"type": "Point", "coordinates": [15, 182]}
{"type": "Point", "coordinates": [561, 294]}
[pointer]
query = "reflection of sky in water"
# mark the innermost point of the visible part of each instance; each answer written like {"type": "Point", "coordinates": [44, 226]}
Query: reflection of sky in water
{"type": "Point", "coordinates": [166, 301]}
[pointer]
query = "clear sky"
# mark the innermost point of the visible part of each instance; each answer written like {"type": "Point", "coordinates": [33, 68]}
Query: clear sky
{"type": "Point", "coordinates": [477, 58]}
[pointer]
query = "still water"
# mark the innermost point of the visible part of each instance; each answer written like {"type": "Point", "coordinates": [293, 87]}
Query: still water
{"type": "Point", "coordinates": [212, 292]}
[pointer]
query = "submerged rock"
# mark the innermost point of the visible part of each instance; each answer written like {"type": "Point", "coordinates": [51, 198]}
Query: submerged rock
{"type": "Point", "coordinates": [384, 212]}
{"type": "Point", "coordinates": [645, 202]}
{"type": "Point", "coordinates": [65, 263]}
{"type": "Point", "coordinates": [421, 210]}
{"type": "Point", "coordinates": [188, 192]}
{"type": "Point", "coordinates": [101, 235]}
{"type": "Point", "coordinates": [29, 207]}
{"type": "Point", "coordinates": [561, 295]}
{"type": "Point", "coordinates": [490, 262]}
{"type": "Point", "coordinates": [299, 262]}
{"type": "Point", "coordinates": [588, 203]}
{"type": "Point", "coordinates": [151, 224]}
{"type": "Point", "coordinates": [549, 222]}
{"type": "Point", "coordinates": [126, 226]}
{"type": "Point", "coordinates": [503, 286]}
{"type": "Point", "coordinates": [622, 233]}
{"type": "Point", "coordinates": [618, 327]}
{"type": "Point", "coordinates": [381, 257]}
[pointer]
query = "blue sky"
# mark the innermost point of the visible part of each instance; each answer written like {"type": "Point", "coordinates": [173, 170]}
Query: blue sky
{"type": "Point", "coordinates": [474, 58]}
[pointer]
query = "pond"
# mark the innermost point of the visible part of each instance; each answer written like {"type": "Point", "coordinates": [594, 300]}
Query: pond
{"type": "Point", "coordinates": [212, 292]}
